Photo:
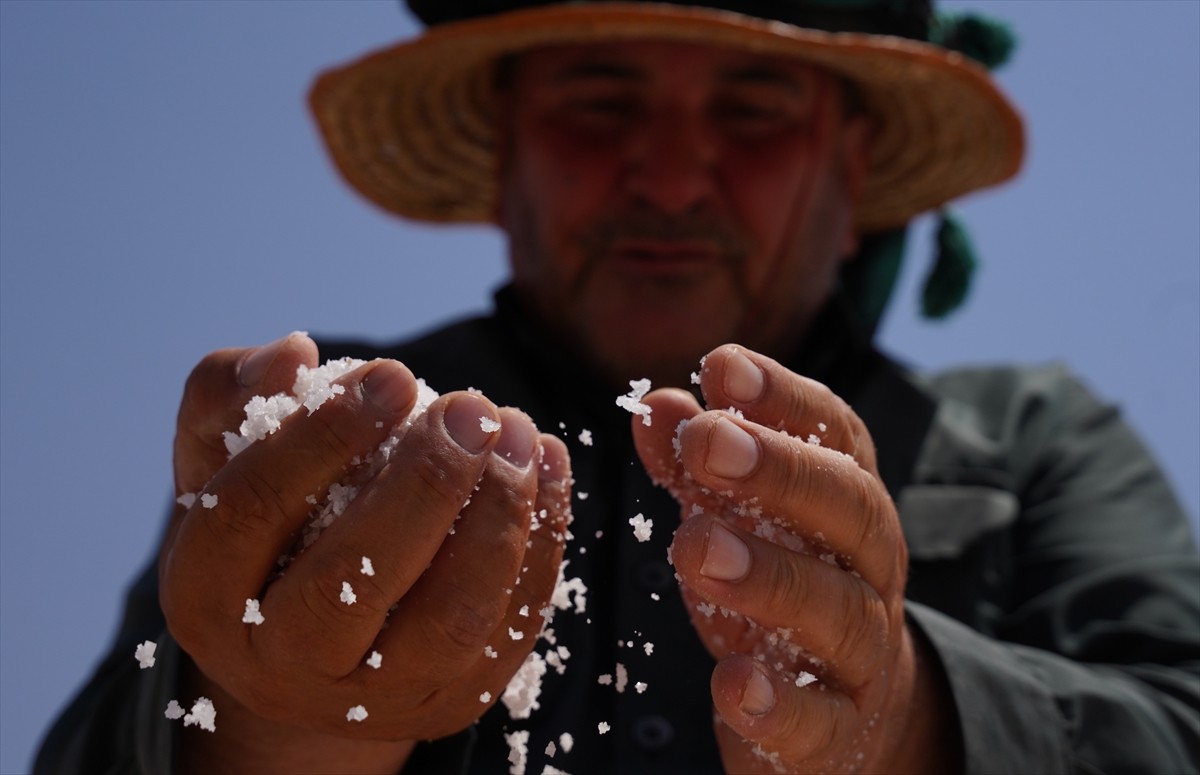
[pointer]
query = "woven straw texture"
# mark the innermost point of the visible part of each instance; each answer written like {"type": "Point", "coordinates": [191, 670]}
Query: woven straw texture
{"type": "Point", "coordinates": [411, 127]}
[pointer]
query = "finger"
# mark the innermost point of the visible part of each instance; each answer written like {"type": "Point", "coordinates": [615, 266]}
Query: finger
{"type": "Point", "coordinates": [215, 396]}
{"type": "Point", "coordinates": [788, 724]}
{"type": "Point", "coordinates": [484, 681]}
{"type": "Point", "coordinates": [807, 601]}
{"type": "Point", "coordinates": [809, 490]}
{"type": "Point", "coordinates": [399, 520]}
{"type": "Point", "coordinates": [224, 554]}
{"type": "Point", "coordinates": [445, 619]}
{"type": "Point", "coordinates": [656, 443]}
{"type": "Point", "coordinates": [771, 395]}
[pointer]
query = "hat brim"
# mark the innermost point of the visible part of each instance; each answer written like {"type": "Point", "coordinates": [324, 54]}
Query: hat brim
{"type": "Point", "coordinates": [412, 126]}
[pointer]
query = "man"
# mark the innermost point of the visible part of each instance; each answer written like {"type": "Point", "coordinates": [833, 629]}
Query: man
{"type": "Point", "coordinates": [979, 571]}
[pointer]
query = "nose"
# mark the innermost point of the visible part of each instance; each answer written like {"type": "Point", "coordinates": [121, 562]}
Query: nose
{"type": "Point", "coordinates": [672, 162]}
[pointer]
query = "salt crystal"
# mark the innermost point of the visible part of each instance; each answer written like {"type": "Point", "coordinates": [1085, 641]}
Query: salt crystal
{"type": "Point", "coordinates": [632, 402]}
{"type": "Point", "coordinates": [649, 648]}
{"type": "Point", "coordinates": [550, 769]}
{"type": "Point", "coordinates": [708, 609]}
{"type": "Point", "coordinates": [375, 660]}
{"type": "Point", "coordinates": [551, 749]}
{"type": "Point", "coordinates": [566, 742]}
{"type": "Point", "coordinates": [348, 597]}
{"type": "Point", "coordinates": [518, 750]}
{"type": "Point", "coordinates": [524, 611]}
{"type": "Point", "coordinates": [521, 694]}
{"type": "Point", "coordinates": [203, 715]}
{"type": "Point", "coordinates": [208, 501]}
{"type": "Point", "coordinates": [654, 596]}
{"type": "Point", "coordinates": [488, 425]}
{"type": "Point", "coordinates": [486, 697]}
{"type": "Point", "coordinates": [174, 711]}
{"type": "Point", "coordinates": [695, 378]}
{"type": "Point", "coordinates": [603, 727]}
{"type": "Point", "coordinates": [357, 713]}
{"type": "Point", "coordinates": [805, 678]}
{"type": "Point", "coordinates": [367, 568]}
{"type": "Point", "coordinates": [585, 437]}
{"type": "Point", "coordinates": [490, 652]}
{"type": "Point", "coordinates": [252, 615]}
{"type": "Point", "coordinates": [641, 528]}
{"type": "Point", "coordinates": [640, 686]}
{"type": "Point", "coordinates": [582, 496]}
{"type": "Point", "coordinates": [186, 499]}
{"type": "Point", "coordinates": [144, 654]}
{"type": "Point", "coordinates": [821, 427]}
{"type": "Point", "coordinates": [622, 678]}
{"type": "Point", "coordinates": [605, 679]}
{"type": "Point", "coordinates": [515, 634]}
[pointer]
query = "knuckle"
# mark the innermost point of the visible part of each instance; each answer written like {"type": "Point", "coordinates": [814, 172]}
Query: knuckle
{"type": "Point", "coordinates": [862, 640]}
{"type": "Point", "coordinates": [464, 624]}
{"type": "Point", "coordinates": [321, 589]}
{"type": "Point", "coordinates": [248, 502]}
{"type": "Point", "coordinates": [440, 484]}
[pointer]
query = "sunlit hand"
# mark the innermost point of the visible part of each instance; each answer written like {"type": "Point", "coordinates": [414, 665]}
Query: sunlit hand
{"type": "Point", "coordinates": [793, 566]}
{"type": "Point", "coordinates": [446, 525]}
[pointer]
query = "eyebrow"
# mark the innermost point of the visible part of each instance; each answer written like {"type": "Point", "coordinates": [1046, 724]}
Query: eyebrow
{"type": "Point", "coordinates": [764, 75]}
{"type": "Point", "coordinates": [588, 70]}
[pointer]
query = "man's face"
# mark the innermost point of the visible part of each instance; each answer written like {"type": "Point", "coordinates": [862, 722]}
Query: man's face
{"type": "Point", "coordinates": [664, 198]}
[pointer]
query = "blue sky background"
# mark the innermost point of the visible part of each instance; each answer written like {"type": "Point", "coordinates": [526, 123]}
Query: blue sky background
{"type": "Point", "coordinates": [163, 194]}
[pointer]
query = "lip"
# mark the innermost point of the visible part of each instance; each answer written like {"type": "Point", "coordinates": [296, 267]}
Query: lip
{"type": "Point", "coordinates": [664, 258]}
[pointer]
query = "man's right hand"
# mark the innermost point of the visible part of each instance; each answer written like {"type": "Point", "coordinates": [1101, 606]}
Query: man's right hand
{"type": "Point", "coordinates": [444, 587]}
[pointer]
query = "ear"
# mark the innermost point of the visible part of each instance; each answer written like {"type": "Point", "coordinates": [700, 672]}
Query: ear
{"type": "Point", "coordinates": [858, 132]}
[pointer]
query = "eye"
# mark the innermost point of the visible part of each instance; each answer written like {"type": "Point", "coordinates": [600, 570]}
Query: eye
{"type": "Point", "coordinates": [604, 112]}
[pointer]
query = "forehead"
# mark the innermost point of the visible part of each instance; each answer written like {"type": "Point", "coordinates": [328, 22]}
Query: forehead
{"type": "Point", "coordinates": [651, 61]}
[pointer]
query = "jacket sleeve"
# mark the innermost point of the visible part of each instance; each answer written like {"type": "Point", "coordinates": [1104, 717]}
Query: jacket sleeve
{"type": "Point", "coordinates": [1080, 650]}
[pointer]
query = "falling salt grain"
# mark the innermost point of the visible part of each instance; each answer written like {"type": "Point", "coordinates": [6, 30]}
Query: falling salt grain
{"type": "Point", "coordinates": [208, 501]}
{"type": "Point", "coordinates": [186, 499]}
{"type": "Point", "coordinates": [582, 495]}
{"type": "Point", "coordinates": [348, 597]}
{"type": "Point", "coordinates": [605, 679]}
{"type": "Point", "coordinates": [174, 711]}
{"type": "Point", "coordinates": [640, 686]}
{"type": "Point", "coordinates": [648, 648]}
{"type": "Point", "coordinates": [375, 660]}
{"type": "Point", "coordinates": [585, 437]}
{"type": "Point", "coordinates": [252, 615]}
{"type": "Point", "coordinates": [144, 654]}
{"type": "Point", "coordinates": [603, 727]}
{"type": "Point", "coordinates": [367, 568]}
{"type": "Point", "coordinates": [622, 678]}
{"type": "Point", "coordinates": [515, 634]}
{"type": "Point", "coordinates": [486, 697]}
{"type": "Point", "coordinates": [203, 714]}
{"type": "Point", "coordinates": [357, 713]}
{"type": "Point", "coordinates": [632, 401]}
{"type": "Point", "coordinates": [518, 750]}
{"type": "Point", "coordinates": [488, 425]}
{"type": "Point", "coordinates": [566, 742]}
{"type": "Point", "coordinates": [641, 528]}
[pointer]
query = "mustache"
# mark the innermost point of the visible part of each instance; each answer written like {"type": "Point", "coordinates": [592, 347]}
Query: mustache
{"type": "Point", "coordinates": [724, 238]}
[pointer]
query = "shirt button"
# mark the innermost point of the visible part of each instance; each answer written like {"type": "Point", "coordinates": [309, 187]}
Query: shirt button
{"type": "Point", "coordinates": [653, 733]}
{"type": "Point", "coordinates": [655, 576]}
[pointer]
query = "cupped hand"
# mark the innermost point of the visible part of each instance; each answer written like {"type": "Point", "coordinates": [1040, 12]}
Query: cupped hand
{"type": "Point", "coordinates": [793, 566]}
{"type": "Point", "coordinates": [446, 525]}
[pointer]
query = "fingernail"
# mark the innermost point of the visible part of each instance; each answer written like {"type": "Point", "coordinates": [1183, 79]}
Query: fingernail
{"type": "Point", "coordinates": [390, 387]}
{"type": "Point", "coordinates": [743, 379]}
{"type": "Point", "coordinates": [726, 558]}
{"type": "Point", "coordinates": [758, 695]}
{"type": "Point", "coordinates": [517, 440]}
{"type": "Point", "coordinates": [732, 453]}
{"type": "Point", "coordinates": [255, 365]}
{"type": "Point", "coordinates": [465, 417]}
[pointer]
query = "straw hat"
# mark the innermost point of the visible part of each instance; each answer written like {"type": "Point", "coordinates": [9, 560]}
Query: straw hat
{"type": "Point", "coordinates": [411, 127]}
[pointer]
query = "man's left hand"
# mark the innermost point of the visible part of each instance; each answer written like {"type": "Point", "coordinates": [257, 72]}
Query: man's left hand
{"type": "Point", "coordinates": [793, 567]}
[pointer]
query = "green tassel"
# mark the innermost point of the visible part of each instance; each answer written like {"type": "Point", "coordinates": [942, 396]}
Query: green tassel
{"type": "Point", "coordinates": [947, 283]}
{"type": "Point", "coordinates": [988, 41]}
